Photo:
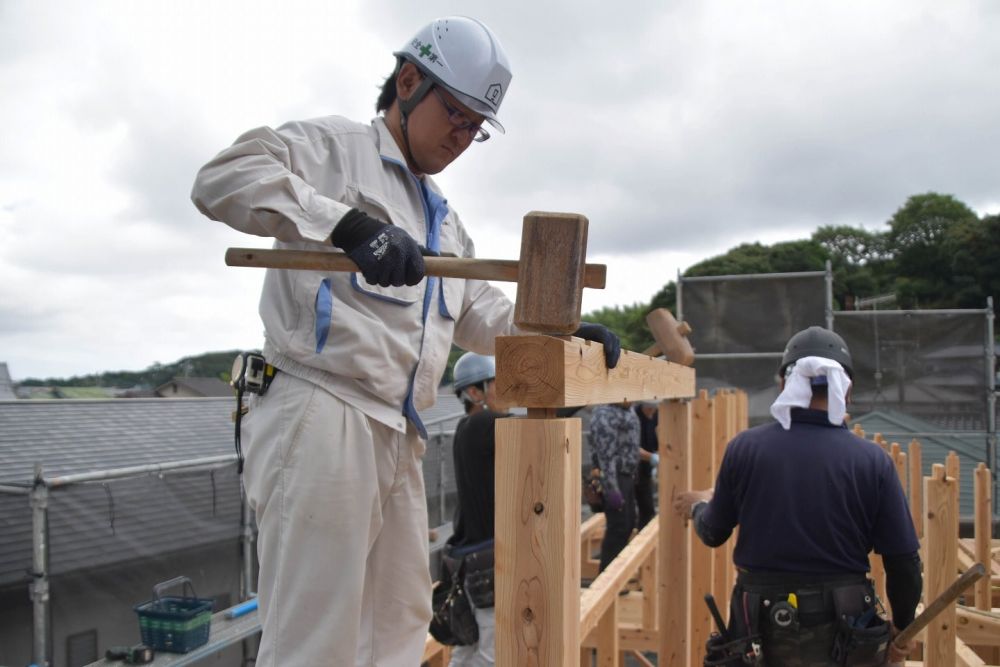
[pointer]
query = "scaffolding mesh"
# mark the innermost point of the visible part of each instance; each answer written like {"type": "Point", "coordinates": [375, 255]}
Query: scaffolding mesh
{"type": "Point", "coordinates": [926, 364]}
{"type": "Point", "coordinates": [738, 315]}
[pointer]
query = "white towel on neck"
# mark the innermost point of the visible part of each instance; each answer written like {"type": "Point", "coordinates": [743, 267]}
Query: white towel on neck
{"type": "Point", "coordinates": [798, 390]}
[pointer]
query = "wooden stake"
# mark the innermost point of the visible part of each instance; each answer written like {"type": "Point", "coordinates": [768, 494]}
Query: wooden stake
{"type": "Point", "coordinates": [674, 433]}
{"type": "Point", "coordinates": [538, 542]}
{"type": "Point", "coordinates": [703, 423]}
{"type": "Point", "coordinates": [941, 531]}
{"type": "Point", "coordinates": [916, 486]}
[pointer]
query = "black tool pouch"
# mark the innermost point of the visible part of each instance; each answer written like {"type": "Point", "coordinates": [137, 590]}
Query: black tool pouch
{"type": "Point", "coordinates": [479, 577]}
{"type": "Point", "coordinates": [720, 652]}
{"type": "Point", "coordinates": [453, 622]}
{"type": "Point", "coordinates": [744, 622]}
{"type": "Point", "coordinates": [863, 636]}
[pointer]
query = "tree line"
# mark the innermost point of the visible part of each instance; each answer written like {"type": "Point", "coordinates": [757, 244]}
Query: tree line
{"type": "Point", "coordinates": [936, 252]}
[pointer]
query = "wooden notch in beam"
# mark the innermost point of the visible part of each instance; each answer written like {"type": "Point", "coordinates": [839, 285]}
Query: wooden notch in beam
{"type": "Point", "coordinates": [563, 371]}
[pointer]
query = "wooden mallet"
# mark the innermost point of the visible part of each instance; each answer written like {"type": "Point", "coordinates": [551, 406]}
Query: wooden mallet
{"type": "Point", "coordinates": [670, 336]}
{"type": "Point", "coordinates": [550, 275]}
{"type": "Point", "coordinates": [940, 603]}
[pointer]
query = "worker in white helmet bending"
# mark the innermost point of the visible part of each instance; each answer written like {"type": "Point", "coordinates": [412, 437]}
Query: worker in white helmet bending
{"type": "Point", "coordinates": [333, 436]}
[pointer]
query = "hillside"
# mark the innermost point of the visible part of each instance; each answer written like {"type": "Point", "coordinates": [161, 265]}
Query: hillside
{"type": "Point", "coordinates": [209, 364]}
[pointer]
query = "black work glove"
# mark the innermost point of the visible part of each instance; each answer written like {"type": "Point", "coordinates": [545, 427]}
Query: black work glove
{"type": "Point", "coordinates": [385, 253]}
{"type": "Point", "coordinates": [603, 335]}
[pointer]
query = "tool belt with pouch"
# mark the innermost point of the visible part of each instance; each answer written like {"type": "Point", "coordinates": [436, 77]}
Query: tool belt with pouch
{"type": "Point", "coordinates": [477, 561]}
{"type": "Point", "coordinates": [453, 622]}
{"type": "Point", "coordinates": [833, 616]}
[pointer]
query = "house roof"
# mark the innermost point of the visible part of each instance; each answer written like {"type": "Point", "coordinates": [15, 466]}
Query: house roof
{"type": "Point", "coordinates": [98, 524]}
{"type": "Point", "coordinates": [970, 446]}
{"type": "Point", "coordinates": [6, 385]}
{"type": "Point", "coordinates": [199, 386]}
{"type": "Point", "coordinates": [104, 523]}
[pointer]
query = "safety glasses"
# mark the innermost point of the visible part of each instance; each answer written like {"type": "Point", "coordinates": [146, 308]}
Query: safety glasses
{"type": "Point", "coordinates": [459, 120]}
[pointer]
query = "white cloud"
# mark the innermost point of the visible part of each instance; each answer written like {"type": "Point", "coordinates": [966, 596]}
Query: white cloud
{"type": "Point", "coordinates": [679, 129]}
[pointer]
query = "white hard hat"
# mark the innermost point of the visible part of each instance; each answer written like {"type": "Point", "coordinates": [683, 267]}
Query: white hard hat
{"type": "Point", "coordinates": [472, 368]}
{"type": "Point", "coordinates": [465, 57]}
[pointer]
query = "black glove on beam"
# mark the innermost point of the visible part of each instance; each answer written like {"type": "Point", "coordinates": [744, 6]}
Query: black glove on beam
{"type": "Point", "coordinates": [603, 335]}
{"type": "Point", "coordinates": [385, 254]}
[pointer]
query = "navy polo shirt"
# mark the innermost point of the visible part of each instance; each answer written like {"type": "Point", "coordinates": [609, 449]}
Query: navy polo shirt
{"type": "Point", "coordinates": [813, 499]}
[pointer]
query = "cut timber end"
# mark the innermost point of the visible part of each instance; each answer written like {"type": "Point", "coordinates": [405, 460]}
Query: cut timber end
{"type": "Point", "coordinates": [551, 272]}
{"type": "Point", "coordinates": [549, 371]}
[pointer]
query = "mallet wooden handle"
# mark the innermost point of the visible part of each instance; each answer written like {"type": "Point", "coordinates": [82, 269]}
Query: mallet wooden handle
{"type": "Point", "coordinates": [940, 603]}
{"type": "Point", "coordinates": [504, 270]}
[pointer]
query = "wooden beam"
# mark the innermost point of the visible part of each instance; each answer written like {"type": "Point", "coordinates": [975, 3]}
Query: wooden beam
{"type": "Point", "coordinates": [630, 638]}
{"type": "Point", "coordinates": [965, 656]}
{"type": "Point", "coordinates": [978, 628]}
{"type": "Point", "coordinates": [551, 371]}
{"type": "Point", "coordinates": [538, 542]}
{"type": "Point", "coordinates": [603, 591]}
{"type": "Point", "coordinates": [435, 653]}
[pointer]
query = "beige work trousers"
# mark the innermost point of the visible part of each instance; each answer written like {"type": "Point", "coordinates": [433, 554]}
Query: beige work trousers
{"type": "Point", "coordinates": [342, 532]}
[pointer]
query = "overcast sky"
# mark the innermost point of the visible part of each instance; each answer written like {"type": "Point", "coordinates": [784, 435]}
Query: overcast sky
{"type": "Point", "coordinates": [680, 129]}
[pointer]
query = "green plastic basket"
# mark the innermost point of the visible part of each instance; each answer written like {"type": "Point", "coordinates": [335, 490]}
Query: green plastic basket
{"type": "Point", "coordinates": [175, 624]}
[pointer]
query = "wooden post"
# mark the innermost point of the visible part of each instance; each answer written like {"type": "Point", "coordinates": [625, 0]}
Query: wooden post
{"type": "Point", "coordinates": [916, 486]}
{"type": "Point", "coordinates": [983, 532]}
{"type": "Point", "coordinates": [673, 592]}
{"type": "Point", "coordinates": [941, 531]}
{"type": "Point", "coordinates": [983, 548]}
{"type": "Point", "coordinates": [953, 469]}
{"type": "Point", "coordinates": [538, 542]}
{"type": "Point", "coordinates": [647, 580]}
{"type": "Point", "coordinates": [607, 637]}
{"type": "Point", "coordinates": [724, 414]}
{"type": "Point", "coordinates": [702, 477]}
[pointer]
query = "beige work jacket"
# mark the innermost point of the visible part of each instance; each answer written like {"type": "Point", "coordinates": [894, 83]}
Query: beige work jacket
{"type": "Point", "coordinates": [382, 350]}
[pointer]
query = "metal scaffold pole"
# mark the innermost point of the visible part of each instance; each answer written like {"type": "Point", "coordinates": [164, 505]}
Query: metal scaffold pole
{"type": "Point", "coordinates": [40, 569]}
{"type": "Point", "coordinates": [829, 295]}
{"type": "Point", "coordinates": [991, 401]}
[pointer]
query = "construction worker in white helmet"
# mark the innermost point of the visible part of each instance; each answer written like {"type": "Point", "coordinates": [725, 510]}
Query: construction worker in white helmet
{"type": "Point", "coordinates": [334, 441]}
{"type": "Point", "coordinates": [471, 544]}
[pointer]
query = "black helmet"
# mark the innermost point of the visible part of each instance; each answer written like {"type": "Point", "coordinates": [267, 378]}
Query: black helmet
{"type": "Point", "coordinates": [816, 342]}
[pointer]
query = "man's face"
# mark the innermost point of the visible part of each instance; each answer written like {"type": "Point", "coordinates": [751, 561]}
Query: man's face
{"type": "Point", "coordinates": [436, 131]}
{"type": "Point", "coordinates": [493, 402]}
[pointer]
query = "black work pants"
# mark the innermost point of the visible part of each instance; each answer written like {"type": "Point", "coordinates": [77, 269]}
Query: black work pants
{"type": "Point", "coordinates": [644, 497]}
{"type": "Point", "coordinates": [619, 523]}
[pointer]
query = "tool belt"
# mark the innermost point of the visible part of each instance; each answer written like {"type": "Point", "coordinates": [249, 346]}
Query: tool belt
{"type": "Point", "coordinates": [250, 374]}
{"type": "Point", "coordinates": [453, 622]}
{"type": "Point", "coordinates": [477, 561]}
{"type": "Point", "coordinates": [782, 605]}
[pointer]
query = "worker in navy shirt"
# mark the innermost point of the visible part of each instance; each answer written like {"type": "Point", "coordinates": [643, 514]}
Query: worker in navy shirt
{"type": "Point", "coordinates": [811, 500]}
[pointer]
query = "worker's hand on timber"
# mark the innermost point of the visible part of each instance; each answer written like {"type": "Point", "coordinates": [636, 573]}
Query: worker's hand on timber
{"type": "Point", "coordinates": [685, 501]}
{"type": "Point", "coordinates": [385, 253]}
{"type": "Point", "coordinates": [613, 499]}
{"type": "Point", "coordinates": [605, 336]}
{"type": "Point", "coordinates": [898, 655]}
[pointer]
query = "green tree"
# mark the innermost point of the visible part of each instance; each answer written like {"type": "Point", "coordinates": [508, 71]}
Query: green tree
{"type": "Point", "coordinates": [973, 249]}
{"type": "Point", "coordinates": [916, 239]}
{"type": "Point", "coordinates": [859, 259]}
